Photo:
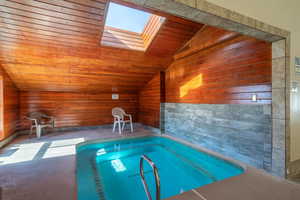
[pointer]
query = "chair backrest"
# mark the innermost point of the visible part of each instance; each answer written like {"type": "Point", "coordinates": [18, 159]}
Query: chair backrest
{"type": "Point", "coordinates": [36, 116]}
{"type": "Point", "coordinates": [118, 112]}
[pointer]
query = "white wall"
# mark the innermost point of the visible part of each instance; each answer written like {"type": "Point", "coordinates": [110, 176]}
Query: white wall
{"type": "Point", "coordinates": [284, 14]}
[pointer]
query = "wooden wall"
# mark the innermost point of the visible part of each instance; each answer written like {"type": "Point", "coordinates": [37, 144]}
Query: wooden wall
{"type": "Point", "coordinates": [150, 98]}
{"type": "Point", "coordinates": [76, 109]}
{"type": "Point", "coordinates": [171, 36]}
{"type": "Point", "coordinates": [9, 106]}
{"type": "Point", "coordinates": [220, 67]}
{"type": "Point", "coordinates": [91, 70]}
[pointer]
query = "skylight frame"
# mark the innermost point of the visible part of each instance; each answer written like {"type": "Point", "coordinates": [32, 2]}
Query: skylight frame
{"type": "Point", "coordinates": [126, 39]}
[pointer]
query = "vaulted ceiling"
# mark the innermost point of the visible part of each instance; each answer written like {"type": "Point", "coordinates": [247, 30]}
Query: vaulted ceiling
{"type": "Point", "coordinates": [55, 45]}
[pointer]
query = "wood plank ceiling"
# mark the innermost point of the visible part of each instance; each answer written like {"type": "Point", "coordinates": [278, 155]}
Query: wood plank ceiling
{"type": "Point", "coordinates": [172, 35]}
{"type": "Point", "coordinates": [54, 45]}
{"type": "Point", "coordinates": [52, 22]}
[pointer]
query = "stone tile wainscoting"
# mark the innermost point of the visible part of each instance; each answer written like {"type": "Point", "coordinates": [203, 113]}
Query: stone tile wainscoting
{"type": "Point", "coordinates": [242, 132]}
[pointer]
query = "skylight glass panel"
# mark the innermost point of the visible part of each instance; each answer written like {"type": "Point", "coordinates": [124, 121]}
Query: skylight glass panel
{"type": "Point", "coordinates": [126, 18]}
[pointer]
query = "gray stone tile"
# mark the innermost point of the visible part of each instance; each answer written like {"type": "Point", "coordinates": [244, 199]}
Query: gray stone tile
{"type": "Point", "coordinates": [279, 49]}
{"type": "Point", "coordinates": [278, 104]}
{"type": "Point", "coordinates": [278, 138]}
{"type": "Point", "coordinates": [278, 72]}
{"type": "Point", "coordinates": [173, 7]}
{"type": "Point", "coordinates": [242, 132]}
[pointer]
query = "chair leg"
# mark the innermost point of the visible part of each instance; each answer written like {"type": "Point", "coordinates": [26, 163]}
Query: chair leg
{"type": "Point", "coordinates": [114, 127]}
{"type": "Point", "coordinates": [123, 126]}
{"type": "Point", "coordinates": [38, 131]}
{"type": "Point", "coordinates": [120, 131]}
{"type": "Point", "coordinates": [31, 128]}
{"type": "Point", "coordinates": [131, 126]}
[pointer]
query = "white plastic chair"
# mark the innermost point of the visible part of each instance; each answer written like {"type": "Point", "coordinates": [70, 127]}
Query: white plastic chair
{"type": "Point", "coordinates": [119, 119]}
{"type": "Point", "coordinates": [39, 121]}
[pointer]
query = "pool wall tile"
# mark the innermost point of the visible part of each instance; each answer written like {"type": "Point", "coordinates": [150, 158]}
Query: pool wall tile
{"type": "Point", "coordinates": [242, 132]}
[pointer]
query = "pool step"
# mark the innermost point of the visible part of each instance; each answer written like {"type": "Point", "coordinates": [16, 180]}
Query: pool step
{"type": "Point", "coordinates": [123, 153]}
{"type": "Point", "coordinates": [137, 174]}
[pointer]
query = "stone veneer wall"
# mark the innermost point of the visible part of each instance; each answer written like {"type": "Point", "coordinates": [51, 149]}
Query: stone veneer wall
{"type": "Point", "coordinates": [242, 132]}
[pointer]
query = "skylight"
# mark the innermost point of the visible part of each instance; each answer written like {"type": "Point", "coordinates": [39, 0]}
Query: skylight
{"type": "Point", "coordinates": [129, 28]}
{"type": "Point", "coordinates": [125, 18]}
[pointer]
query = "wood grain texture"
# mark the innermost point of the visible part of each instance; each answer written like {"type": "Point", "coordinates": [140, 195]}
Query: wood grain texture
{"type": "Point", "coordinates": [75, 109]}
{"type": "Point", "coordinates": [150, 98]}
{"type": "Point", "coordinates": [9, 106]}
{"type": "Point", "coordinates": [206, 37]}
{"type": "Point", "coordinates": [171, 36]}
{"type": "Point", "coordinates": [225, 72]}
{"type": "Point", "coordinates": [102, 69]}
{"type": "Point", "coordinates": [50, 22]}
{"type": "Point", "coordinates": [151, 29]}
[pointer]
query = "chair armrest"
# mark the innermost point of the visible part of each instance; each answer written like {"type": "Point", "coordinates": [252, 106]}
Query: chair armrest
{"type": "Point", "coordinates": [51, 119]}
{"type": "Point", "coordinates": [116, 116]}
{"type": "Point", "coordinates": [128, 115]}
{"type": "Point", "coordinates": [32, 119]}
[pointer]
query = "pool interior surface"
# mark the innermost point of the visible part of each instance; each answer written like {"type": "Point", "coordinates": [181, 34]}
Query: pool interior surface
{"type": "Point", "coordinates": [110, 170]}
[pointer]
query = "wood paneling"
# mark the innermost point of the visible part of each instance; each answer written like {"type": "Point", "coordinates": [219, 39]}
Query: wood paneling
{"type": "Point", "coordinates": [102, 69]}
{"type": "Point", "coordinates": [9, 106]}
{"type": "Point", "coordinates": [206, 37]}
{"type": "Point", "coordinates": [151, 29]}
{"type": "Point", "coordinates": [48, 22]}
{"type": "Point", "coordinates": [150, 98]}
{"type": "Point", "coordinates": [171, 36]}
{"type": "Point", "coordinates": [76, 109]}
{"type": "Point", "coordinates": [224, 69]}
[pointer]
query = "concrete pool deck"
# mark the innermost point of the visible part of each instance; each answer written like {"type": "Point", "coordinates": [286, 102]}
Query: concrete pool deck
{"type": "Point", "coordinates": [252, 185]}
{"type": "Point", "coordinates": [35, 169]}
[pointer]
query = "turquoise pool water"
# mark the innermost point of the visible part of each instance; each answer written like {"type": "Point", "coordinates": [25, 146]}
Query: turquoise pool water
{"type": "Point", "coordinates": [110, 170]}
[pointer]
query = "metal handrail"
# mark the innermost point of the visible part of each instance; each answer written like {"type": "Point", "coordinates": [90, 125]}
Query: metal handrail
{"type": "Point", "coordinates": [156, 175]}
